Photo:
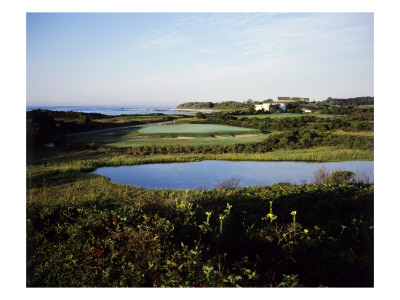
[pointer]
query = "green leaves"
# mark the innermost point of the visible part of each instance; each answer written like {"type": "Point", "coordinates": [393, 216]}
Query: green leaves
{"type": "Point", "coordinates": [207, 238]}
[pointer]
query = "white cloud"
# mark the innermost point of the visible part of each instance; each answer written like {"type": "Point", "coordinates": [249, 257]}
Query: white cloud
{"type": "Point", "coordinates": [162, 40]}
{"type": "Point", "coordinates": [203, 50]}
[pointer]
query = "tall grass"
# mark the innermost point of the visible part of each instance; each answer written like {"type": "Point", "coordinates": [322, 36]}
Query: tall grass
{"type": "Point", "coordinates": [323, 175]}
{"type": "Point", "coordinates": [84, 162]}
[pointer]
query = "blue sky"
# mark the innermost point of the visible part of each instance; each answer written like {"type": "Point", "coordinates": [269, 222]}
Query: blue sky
{"type": "Point", "coordinates": [170, 58]}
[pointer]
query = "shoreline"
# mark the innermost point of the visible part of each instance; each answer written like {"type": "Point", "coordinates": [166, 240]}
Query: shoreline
{"type": "Point", "coordinates": [195, 110]}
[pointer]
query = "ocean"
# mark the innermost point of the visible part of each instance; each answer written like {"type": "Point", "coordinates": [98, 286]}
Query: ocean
{"type": "Point", "coordinates": [111, 110]}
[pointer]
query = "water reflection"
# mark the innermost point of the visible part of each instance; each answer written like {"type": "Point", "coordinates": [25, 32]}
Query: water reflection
{"type": "Point", "coordinates": [210, 173]}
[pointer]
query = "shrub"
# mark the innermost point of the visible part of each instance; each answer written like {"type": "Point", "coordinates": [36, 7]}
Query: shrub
{"type": "Point", "coordinates": [229, 184]}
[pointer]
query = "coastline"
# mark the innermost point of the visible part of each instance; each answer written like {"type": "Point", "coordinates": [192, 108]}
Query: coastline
{"type": "Point", "coordinates": [195, 110]}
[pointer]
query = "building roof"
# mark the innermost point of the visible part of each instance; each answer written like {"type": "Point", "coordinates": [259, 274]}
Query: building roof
{"type": "Point", "coordinates": [293, 99]}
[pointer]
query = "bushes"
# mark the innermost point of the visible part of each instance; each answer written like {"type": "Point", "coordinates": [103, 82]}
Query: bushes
{"type": "Point", "coordinates": [291, 140]}
{"type": "Point", "coordinates": [359, 122]}
{"type": "Point", "coordinates": [349, 141]}
{"type": "Point", "coordinates": [207, 238]}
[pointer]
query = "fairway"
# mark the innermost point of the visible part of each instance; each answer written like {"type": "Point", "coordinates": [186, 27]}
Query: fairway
{"type": "Point", "coordinates": [183, 134]}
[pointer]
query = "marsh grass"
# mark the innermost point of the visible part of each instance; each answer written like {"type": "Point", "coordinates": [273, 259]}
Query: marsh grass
{"type": "Point", "coordinates": [52, 163]}
{"type": "Point", "coordinates": [62, 177]}
{"type": "Point", "coordinates": [323, 176]}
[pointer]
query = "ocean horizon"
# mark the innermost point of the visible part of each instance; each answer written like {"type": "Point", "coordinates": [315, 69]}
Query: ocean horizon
{"type": "Point", "coordinates": [113, 110]}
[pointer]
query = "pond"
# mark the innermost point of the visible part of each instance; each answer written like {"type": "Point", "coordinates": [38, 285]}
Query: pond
{"type": "Point", "coordinates": [209, 173]}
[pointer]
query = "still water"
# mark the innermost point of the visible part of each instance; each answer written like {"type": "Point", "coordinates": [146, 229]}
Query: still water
{"type": "Point", "coordinates": [209, 173]}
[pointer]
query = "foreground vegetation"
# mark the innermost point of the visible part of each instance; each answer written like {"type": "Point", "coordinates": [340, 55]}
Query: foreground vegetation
{"type": "Point", "coordinates": [84, 230]}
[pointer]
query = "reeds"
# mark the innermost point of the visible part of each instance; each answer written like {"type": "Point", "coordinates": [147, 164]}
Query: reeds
{"type": "Point", "coordinates": [323, 175]}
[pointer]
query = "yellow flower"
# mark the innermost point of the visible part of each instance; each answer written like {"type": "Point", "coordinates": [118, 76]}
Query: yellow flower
{"type": "Point", "coordinates": [293, 213]}
{"type": "Point", "coordinates": [305, 230]}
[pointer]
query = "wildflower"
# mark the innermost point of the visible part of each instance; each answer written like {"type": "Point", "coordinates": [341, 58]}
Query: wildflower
{"type": "Point", "coordinates": [271, 216]}
{"type": "Point", "coordinates": [208, 213]}
{"type": "Point", "coordinates": [305, 231]}
{"type": "Point", "coordinates": [293, 213]}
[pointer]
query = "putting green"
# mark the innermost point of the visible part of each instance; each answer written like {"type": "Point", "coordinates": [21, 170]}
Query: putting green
{"type": "Point", "coordinates": [194, 129]}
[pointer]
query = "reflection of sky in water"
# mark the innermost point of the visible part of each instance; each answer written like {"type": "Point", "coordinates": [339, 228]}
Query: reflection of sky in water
{"type": "Point", "coordinates": [210, 173]}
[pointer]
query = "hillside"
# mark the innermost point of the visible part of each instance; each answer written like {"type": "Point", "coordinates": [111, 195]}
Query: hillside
{"type": "Point", "coordinates": [211, 105]}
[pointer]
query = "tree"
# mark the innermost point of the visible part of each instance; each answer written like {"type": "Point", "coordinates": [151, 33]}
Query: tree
{"type": "Point", "coordinates": [83, 120]}
{"type": "Point", "coordinates": [252, 110]}
{"type": "Point", "coordinates": [200, 115]}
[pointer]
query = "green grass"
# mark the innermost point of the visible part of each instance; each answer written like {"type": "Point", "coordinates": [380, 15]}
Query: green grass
{"type": "Point", "coordinates": [288, 115]}
{"type": "Point", "coordinates": [194, 130]}
{"type": "Point", "coordinates": [183, 134]}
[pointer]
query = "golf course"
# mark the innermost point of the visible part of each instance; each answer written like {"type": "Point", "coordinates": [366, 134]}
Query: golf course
{"type": "Point", "coordinates": [182, 134]}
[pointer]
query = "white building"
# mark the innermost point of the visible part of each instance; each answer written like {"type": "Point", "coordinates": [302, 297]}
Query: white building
{"type": "Point", "coordinates": [267, 105]}
{"type": "Point", "coordinates": [264, 106]}
{"type": "Point", "coordinates": [281, 101]}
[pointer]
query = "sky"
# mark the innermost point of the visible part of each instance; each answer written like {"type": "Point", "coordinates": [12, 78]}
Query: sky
{"type": "Point", "coordinates": [171, 58]}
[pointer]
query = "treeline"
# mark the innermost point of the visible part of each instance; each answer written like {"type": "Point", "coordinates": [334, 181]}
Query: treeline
{"type": "Point", "coordinates": [349, 101]}
{"type": "Point", "coordinates": [45, 126]}
{"type": "Point", "coordinates": [360, 122]}
{"type": "Point", "coordinates": [217, 105]}
{"type": "Point", "coordinates": [67, 115]}
{"type": "Point", "coordinates": [195, 105]}
{"type": "Point", "coordinates": [345, 110]}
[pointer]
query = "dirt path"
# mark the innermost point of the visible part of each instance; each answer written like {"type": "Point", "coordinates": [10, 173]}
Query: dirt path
{"type": "Point", "coordinates": [122, 127]}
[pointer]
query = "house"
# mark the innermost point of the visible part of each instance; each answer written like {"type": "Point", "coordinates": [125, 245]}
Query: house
{"type": "Point", "coordinates": [281, 101]}
{"type": "Point", "coordinates": [264, 106]}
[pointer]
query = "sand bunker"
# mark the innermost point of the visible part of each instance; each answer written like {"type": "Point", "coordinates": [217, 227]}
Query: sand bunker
{"type": "Point", "coordinates": [244, 135]}
{"type": "Point", "coordinates": [142, 137]}
{"type": "Point", "coordinates": [222, 137]}
{"type": "Point", "coordinates": [234, 136]}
